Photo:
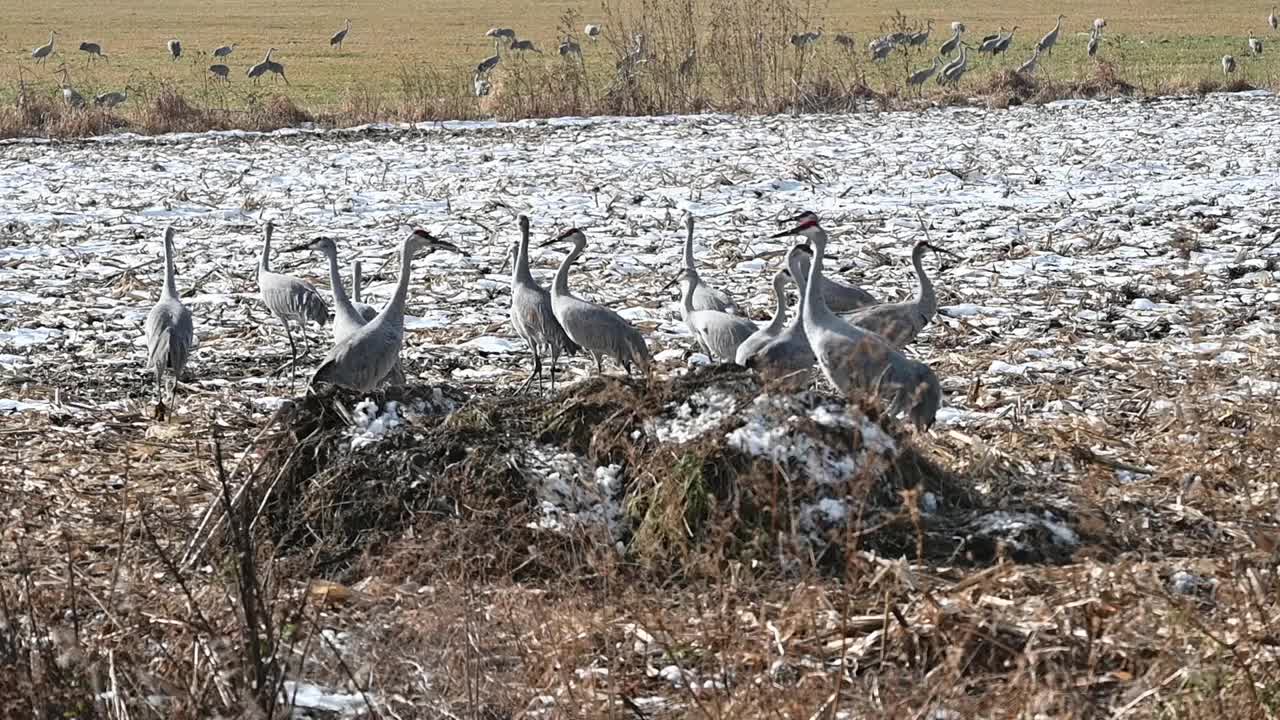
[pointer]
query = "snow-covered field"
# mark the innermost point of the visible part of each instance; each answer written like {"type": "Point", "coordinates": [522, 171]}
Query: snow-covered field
{"type": "Point", "coordinates": [1114, 304]}
{"type": "Point", "coordinates": [1099, 240]}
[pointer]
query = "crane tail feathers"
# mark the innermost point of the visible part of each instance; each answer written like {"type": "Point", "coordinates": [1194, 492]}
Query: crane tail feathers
{"type": "Point", "coordinates": [158, 357]}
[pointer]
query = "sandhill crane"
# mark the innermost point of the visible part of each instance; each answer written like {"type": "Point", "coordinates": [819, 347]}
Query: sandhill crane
{"type": "Point", "coordinates": [957, 26]}
{"type": "Point", "coordinates": [762, 336]}
{"type": "Point", "coordinates": [72, 98]}
{"type": "Point", "coordinates": [880, 49]}
{"type": "Point", "coordinates": [846, 41]}
{"type": "Point", "coordinates": [277, 70]}
{"type": "Point", "coordinates": [854, 359]}
{"type": "Point", "coordinates": [111, 99]}
{"type": "Point", "coordinates": [1228, 64]}
{"type": "Point", "coordinates": [592, 32]}
{"type": "Point", "coordinates": [288, 298]}
{"type": "Point", "coordinates": [346, 318]}
{"type": "Point", "coordinates": [955, 69]}
{"type": "Point", "coordinates": [339, 37]}
{"type": "Point", "coordinates": [689, 63]}
{"type": "Point", "coordinates": [42, 53]}
{"type": "Point", "coordinates": [1099, 23]}
{"type": "Point", "coordinates": [93, 49]}
{"type": "Point", "coordinates": [487, 64]}
{"type": "Point", "coordinates": [719, 333]}
{"type": "Point", "coordinates": [1255, 45]}
{"type": "Point", "coordinates": [918, 78]}
{"type": "Point", "coordinates": [921, 39]}
{"type": "Point", "coordinates": [900, 323]}
{"type": "Point", "coordinates": [225, 50]}
{"type": "Point", "coordinates": [175, 49]}
{"type": "Point", "coordinates": [1051, 38]}
{"type": "Point", "coordinates": [1094, 39]}
{"type": "Point", "coordinates": [805, 39]}
{"type": "Point", "coordinates": [840, 297]}
{"type": "Point", "coordinates": [1272, 20]}
{"type": "Point", "coordinates": [569, 47]}
{"type": "Point", "coordinates": [532, 315]}
{"type": "Point", "coordinates": [597, 329]}
{"type": "Point", "coordinates": [368, 312]}
{"type": "Point", "coordinates": [168, 329]}
{"type": "Point", "coordinates": [498, 34]}
{"type": "Point", "coordinates": [789, 352]}
{"type": "Point", "coordinates": [368, 355]}
{"type": "Point", "coordinates": [705, 297]}
{"type": "Point", "coordinates": [950, 45]}
{"type": "Point", "coordinates": [523, 46]}
{"type": "Point", "coordinates": [1028, 68]}
{"type": "Point", "coordinates": [255, 72]}
{"type": "Point", "coordinates": [220, 71]}
{"type": "Point", "coordinates": [1002, 45]}
{"type": "Point", "coordinates": [988, 42]}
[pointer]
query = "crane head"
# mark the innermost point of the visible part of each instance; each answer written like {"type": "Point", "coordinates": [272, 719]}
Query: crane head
{"type": "Point", "coordinates": [420, 240]}
{"type": "Point", "coordinates": [928, 245]}
{"type": "Point", "coordinates": [805, 215]}
{"type": "Point", "coordinates": [808, 221]}
{"type": "Point", "coordinates": [572, 234]}
{"type": "Point", "coordinates": [321, 244]}
{"type": "Point", "coordinates": [524, 223]}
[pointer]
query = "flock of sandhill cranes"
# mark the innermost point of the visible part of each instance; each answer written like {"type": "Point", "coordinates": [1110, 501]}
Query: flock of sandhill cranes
{"type": "Point", "coordinates": [855, 341]}
{"type": "Point", "coordinates": [947, 68]}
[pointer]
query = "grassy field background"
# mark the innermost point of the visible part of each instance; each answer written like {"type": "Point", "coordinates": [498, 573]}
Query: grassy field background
{"type": "Point", "coordinates": [1151, 42]}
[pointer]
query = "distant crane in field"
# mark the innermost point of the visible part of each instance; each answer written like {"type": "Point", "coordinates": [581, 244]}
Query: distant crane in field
{"type": "Point", "coordinates": [111, 99]}
{"type": "Point", "coordinates": [1028, 68]}
{"type": "Point", "coordinates": [340, 36]}
{"type": "Point", "coordinates": [765, 334]}
{"type": "Point", "coordinates": [267, 65]}
{"type": "Point", "coordinates": [918, 78]}
{"type": "Point", "coordinates": [717, 332]}
{"type": "Point", "coordinates": [1272, 20]}
{"type": "Point", "coordinates": [1051, 38]}
{"type": "Point", "coordinates": [955, 69]}
{"type": "Point", "coordinates": [225, 50]}
{"type": "Point", "coordinates": [532, 315]}
{"type": "Point", "coordinates": [288, 298]}
{"type": "Point", "coordinates": [921, 39]}
{"type": "Point", "coordinates": [846, 41]}
{"type": "Point", "coordinates": [168, 330]}
{"type": "Point", "coordinates": [1255, 45]}
{"type": "Point", "coordinates": [72, 98]}
{"type": "Point", "coordinates": [593, 32]}
{"type": "Point", "coordinates": [42, 53]}
{"type": "Point", "coordinates": [277, 70]}
{"type": "Point", "coordinates": [880, 49]}
{"type": "Point", "coordinates": [487, 64]}
{"type": "Point", "coordinates": [948, 47]}
{"type": "Point", "coordinates": [805, 39]}
{"type": "Point", "coordinates": [1002, 45]}
{"type": "Point", "coordinates": [595, 328]}
{"type": "Point", "coordinates": [220, 71]}
{"type": "Point", "coordinates": [705, 297]}
{"type": "Point", "coordinates": [1228, 64]}
{"type": "Point", "coordinates": [569, 47]}
{"type": "Point", "coordinates": [175, 49]}
{"type": "Point", "coordinates": [900, 323]}
{"type": "Point", "coordinates": [499, 34]}
{"type": "Point", "coordinates": [93, 49]}
{"type": "Point", "coordinates": [855, 359]}
{"type": "Point", "coordinates": [367, 356]}
{"type": "Point", "coordinates": [1095, 38]}
{"type": "Point", "coordinates": [988, 43]}
{"type": "Point", "coordinates": [523, 46]}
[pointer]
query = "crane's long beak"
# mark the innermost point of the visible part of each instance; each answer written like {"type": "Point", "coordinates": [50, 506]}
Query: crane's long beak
{"type": "Point", "coordinates": [673, 280]}
{"type": "Point", "coordinates": [296, 248]}
{"type": "Point", "coordinates": [438, 244]}
{"type": "Point", "coordinates": [793, 219]}
{"type": "Point", "coordinates": [549, 243]}
{"type": "Point", "coordinates": [944, 251]}
{"type": "Point", "coordinates": [785, 233]}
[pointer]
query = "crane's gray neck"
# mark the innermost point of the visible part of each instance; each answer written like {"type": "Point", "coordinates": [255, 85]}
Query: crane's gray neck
{"type": "Point", "coordinates": [355, 281]}
{"type": "Point", "coordinates": [926, 300]}
{"type": "Point", "coordinates": [779, 304]}
{"type": "Point", "coordinates": [816, 313]}
{"type": "Point", "coordinates": [688, 250]}
{"type": "Point", "coordinates": [686, 295]}
{"type": "Point", "coordinates": [170, 279]}
{"type": "Point", "coordinates": [335, 279]}
{"type": "Point", "coordinates": [264, 263]}
{"type": "Point", "coordinates": [520, 273]}
{"type": "Point", "coordinates": [800, 273]}
{"type": "Point", "coordinates": [561, 285]}
{"type": "Point", "coordinates": [395, 309]}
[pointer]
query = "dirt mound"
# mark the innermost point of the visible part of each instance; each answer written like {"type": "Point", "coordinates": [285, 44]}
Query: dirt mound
{"type": "Point", "coordinates": [671, 476]}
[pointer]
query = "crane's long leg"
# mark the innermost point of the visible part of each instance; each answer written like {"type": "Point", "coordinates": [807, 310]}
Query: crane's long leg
{"type": "Point", "coordinates": [599, 362]}
{"type": "Point", "coordinates": [555, 357]}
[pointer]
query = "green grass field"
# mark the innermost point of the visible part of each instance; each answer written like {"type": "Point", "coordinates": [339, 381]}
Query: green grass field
{"type": "Point", "coordinates": [1153, 44]}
